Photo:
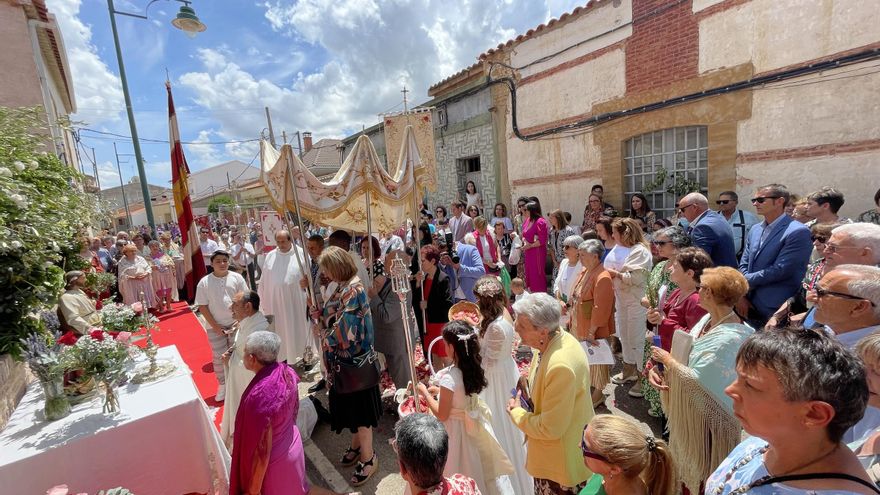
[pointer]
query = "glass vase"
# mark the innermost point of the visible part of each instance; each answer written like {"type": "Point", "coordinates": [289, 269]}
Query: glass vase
{"type": "Point", "coordinates": [111, 400]}
{"type": "Point", "coordinates": [57, 406]}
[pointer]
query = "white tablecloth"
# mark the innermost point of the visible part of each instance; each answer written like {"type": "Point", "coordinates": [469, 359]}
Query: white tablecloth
{"type": "Point", "coordinates": [163, 441]}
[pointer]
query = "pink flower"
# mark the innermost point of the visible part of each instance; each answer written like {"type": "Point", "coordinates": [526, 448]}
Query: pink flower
{"type": "Point", "coordinates": [137, 307]}
{"type": "Point", "coordinates": [123, 337]}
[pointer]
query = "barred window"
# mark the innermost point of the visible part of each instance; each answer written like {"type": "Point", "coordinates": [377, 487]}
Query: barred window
{"type": "Point", "coordinates": [665, 165]}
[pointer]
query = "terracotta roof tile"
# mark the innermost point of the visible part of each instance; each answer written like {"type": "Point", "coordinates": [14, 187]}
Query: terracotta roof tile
{"type": "Point", "coordinates": [536, 31]}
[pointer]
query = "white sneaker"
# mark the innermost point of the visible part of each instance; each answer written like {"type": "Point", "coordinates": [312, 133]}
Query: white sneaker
{"type": "Point", "coordinates": [619, 379]}
{"type": "Point", "coordinates": [221, 393]}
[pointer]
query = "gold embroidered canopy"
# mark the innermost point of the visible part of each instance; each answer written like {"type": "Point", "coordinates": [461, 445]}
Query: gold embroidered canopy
{"type": "Point", "coordinates": [342, 202]}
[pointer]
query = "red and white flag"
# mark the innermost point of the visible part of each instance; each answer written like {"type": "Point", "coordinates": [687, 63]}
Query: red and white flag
{"type": "Point", "coordinates": [194, 264]}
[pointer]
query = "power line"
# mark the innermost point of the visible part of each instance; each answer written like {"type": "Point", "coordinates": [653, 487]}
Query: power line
{"type": "Point", "coordinates": [165, 141]}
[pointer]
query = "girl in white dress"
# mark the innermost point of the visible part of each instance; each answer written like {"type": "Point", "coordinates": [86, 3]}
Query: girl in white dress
{"type": "Point", "coordinates": [496, 346]}
{"type": "Point", "coordinates": [474, 450]}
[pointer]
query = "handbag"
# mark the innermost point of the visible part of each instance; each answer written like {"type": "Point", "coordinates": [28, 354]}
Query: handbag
{"type": "Point", "coordinates": [355, 375]}
{"type": "Point", "coordinates": [515, 252]}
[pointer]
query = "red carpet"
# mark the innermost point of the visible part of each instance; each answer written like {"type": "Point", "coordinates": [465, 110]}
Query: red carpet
{"type": "Point", "coordinates": [180, 327]}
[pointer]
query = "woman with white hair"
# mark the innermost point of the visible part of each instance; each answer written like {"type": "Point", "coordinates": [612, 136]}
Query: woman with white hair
{"type": "Point", "coordinates": [135, 277]}
{"type": "Point", "coordinates": [570, 269]}
{"type": "Point", "coordinates": [592, 308]}
{"type": "Point", "coordinates": [553, 411]}
{"type": "Point", "coordinates": [267, 453]}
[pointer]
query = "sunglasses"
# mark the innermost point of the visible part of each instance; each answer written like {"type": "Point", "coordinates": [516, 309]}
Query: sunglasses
{"type": "Point", "coordinates": [833, 248]}
{"type": "Point", "coordinates": [722, 202]}
{"type": "Point", "coordinates": [819, 238]}
{"type": "Point", "coordinates": [592, 455]}
{"type": "Point", "coordinates": [685, 207]}
{"type": "Point", "coordinates": [660, 243]}
{"type": "Point", "coordinates": [764, 198]}
{"type": "Point", "coordinates": [820, 293]}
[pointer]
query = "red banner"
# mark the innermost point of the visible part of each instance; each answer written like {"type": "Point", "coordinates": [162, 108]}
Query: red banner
{"type": "Point", "coordinates": [194, 264]}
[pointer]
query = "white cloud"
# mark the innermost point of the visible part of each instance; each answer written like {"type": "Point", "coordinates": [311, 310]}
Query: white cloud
{"type": "Point", "coordinates": [98, 90]}
{"type": "Point", "coordinates": [371, 47]}
{"type": "Point", "coordinates": [108, 175]}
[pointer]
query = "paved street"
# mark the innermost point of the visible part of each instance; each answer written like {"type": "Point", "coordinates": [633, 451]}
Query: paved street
{"type": "Point", "coordinates": [325, 448]}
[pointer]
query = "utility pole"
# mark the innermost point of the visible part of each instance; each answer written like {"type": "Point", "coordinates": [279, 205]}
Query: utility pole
{"type": "Point", "coordinates": [138, 157]}
{"type": "Point", "coordinates": [299, 141]}
{"type": "Point", "coordinates": [122, 186]}
{"type": "Point", "coordinates": [271, 132]}
{"type": "Point", "coordinates": [95, 165]}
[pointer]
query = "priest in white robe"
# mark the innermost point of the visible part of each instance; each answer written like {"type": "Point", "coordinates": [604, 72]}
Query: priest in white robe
{"type": "Point", "coordinates": [283, 298]}
{"type": "Point", "coordinates": [249, 319]}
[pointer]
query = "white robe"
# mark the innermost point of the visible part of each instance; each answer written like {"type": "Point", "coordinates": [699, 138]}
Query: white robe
{"type": "Point", "coordinates": [237, 376]}
{"type": "Point", "coordinates": [282, 297]}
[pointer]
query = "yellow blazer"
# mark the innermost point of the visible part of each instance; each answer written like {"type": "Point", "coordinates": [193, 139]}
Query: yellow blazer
{"type": "Point", "coordinates": [560, 390]}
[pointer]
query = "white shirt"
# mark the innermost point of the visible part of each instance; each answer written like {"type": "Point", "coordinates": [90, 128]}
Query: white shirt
{"type": "Point", "coordinates": [247, 253]}
{"type": "Point", "coordinates": [394, 243]}
{"type": "Point", "coordinates": [741, 222]}
{"type": "Point", "coordinates": [217, 292]}
{"type": "Point", "coordinates": [208, 247]}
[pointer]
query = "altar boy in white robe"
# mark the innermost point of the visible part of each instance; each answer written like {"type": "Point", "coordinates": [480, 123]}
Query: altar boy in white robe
{"type": "Point", "coordinates": [246, 312]}
{"type": "Point", "coordinates": [283, 298]}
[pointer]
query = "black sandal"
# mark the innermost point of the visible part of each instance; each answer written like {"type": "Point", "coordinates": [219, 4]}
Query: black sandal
{"type": "Point", "coordinates": [350, 456]}
{"type": "Point", "coordinates": [359, 478]}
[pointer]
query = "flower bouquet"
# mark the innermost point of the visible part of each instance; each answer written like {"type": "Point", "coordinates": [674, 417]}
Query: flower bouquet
{"type": "Point", "coordinates": [116, 317]}
{"type": "Point", "coordinates": [100, 356]}
{"type": "Point", "coordinates": [99, 283]}
{"type": "Point", "coordinates": [43, 354]}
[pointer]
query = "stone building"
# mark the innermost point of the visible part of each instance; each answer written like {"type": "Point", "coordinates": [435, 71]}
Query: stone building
{"type": "Point", "coordinates": [467, 133]}
{"type": "Point", "coordinates": [646, 95]}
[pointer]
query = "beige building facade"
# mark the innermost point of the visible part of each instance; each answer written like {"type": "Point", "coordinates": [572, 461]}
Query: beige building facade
{"type": "Point", "coordinates": [35, 70]}
{"type": "Point", "coordinates": [653, 96]}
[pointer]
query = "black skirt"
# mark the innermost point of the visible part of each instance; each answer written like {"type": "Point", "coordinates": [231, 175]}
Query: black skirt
{"type": "Point", "coordinates": [355, 410]}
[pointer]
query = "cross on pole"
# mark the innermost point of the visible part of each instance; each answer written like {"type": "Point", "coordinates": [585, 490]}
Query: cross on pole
{"type": "Point", "coordinates": [405, 91]}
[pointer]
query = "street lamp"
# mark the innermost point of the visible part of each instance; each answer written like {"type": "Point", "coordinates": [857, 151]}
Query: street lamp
{"type": "Point", "coordinates": [188, 22]}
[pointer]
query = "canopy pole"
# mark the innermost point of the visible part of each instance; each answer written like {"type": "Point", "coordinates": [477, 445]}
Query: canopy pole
{"type": "Point", "coordinates": [370, 254]}
{"type": "Point", "coordinates": [290, 182]}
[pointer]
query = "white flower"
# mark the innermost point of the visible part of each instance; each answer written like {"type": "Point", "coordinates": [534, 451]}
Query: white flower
{"type": "Point", "coordinates": [5, 172]}
{"type": "Point", "coordinates": [18, 166]}
{"type": "Point", "coordinates": [54, 246]}
{"type": "Point", "coordinates": [19, 200]}
{"type": "Point", "coordinates": [16, 244]}
{"type": "Point", "coordinates": [33, 164]}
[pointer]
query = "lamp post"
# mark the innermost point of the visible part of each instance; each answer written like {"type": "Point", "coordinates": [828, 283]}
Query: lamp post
{"type": "Point", "coordinates": [186, 21]}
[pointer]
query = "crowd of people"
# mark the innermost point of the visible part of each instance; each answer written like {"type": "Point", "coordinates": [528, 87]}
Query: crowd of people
{"type": "Point", "coordinates": [723, 321]}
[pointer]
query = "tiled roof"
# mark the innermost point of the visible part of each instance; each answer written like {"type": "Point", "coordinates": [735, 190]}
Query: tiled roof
{"type": "Point", "coordinates": [531, 33]}
{"type": "Point", "coordinates": [52, 45]}
{"type": "Point", "coordinates": [458, 74]}
{"type": "Point", "coordinates": [324, 154]}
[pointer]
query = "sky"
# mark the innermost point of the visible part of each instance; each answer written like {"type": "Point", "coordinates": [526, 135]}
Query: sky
{"type": "Point", "coordinates": [328, 67]}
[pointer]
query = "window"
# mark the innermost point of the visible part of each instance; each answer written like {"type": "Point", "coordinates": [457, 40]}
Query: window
{"type": "Point", "coordinates": [470, 165]}
{"type": "Point", "coordinates": [665, 165]}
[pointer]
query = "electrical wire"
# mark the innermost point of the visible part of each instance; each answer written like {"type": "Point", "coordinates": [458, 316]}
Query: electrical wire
{"type": "Point", "coordinates": [165, 141]}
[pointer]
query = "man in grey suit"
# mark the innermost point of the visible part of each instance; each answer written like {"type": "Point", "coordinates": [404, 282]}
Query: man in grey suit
{"type": "Point", "coordinates": [460, 224]}
{"type": "Point", "coordinates": [708, 229]}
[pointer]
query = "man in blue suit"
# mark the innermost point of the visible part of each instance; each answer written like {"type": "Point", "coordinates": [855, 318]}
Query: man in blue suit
{"type": "Point", "coordinates": [708, 230]}
{"type": "Point", "coordinates": [775, 258]}
{"type": "Point", "coordinates": [468, 269]}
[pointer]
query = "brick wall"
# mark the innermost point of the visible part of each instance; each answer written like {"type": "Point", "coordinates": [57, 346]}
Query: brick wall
{"type": "Point", "coordinates": [664, 46]}
{"type": "Point", "coordinates": [13, 381]}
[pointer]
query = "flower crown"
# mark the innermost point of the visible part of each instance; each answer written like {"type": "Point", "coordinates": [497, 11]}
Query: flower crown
{"type": "Point", "coordinates": [488, 288]}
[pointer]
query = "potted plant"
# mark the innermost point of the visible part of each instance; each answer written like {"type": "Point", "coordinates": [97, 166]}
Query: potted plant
{"type": "Point", "coordinates": [103, 357]}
